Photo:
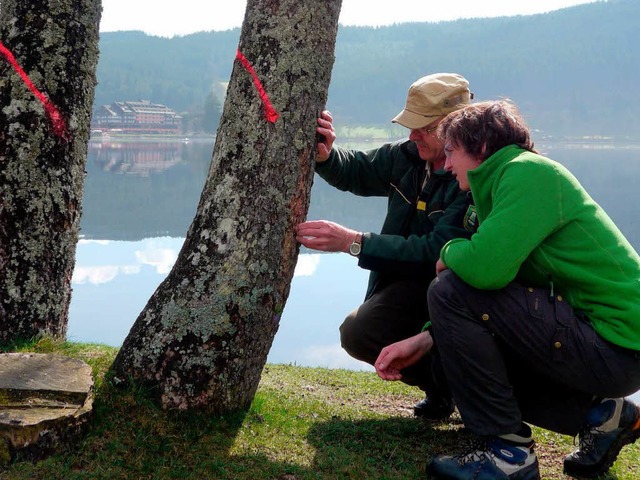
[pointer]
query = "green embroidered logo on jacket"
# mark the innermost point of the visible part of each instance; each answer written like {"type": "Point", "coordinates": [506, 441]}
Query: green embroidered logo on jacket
{"type": "Point", "coordinates": [470, 221]}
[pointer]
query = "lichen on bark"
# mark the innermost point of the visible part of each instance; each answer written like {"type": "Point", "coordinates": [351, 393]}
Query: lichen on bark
{"type": "Point", "coordinates": [203, 337]}
{"type": "Point", "coordinates": [42, 174]}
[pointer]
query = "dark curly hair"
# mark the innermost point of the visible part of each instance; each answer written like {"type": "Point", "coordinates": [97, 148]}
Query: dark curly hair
{"type": "Point", "coordinates": [483, 128]}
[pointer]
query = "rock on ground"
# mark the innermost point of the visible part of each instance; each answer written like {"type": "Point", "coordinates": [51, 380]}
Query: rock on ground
{"type": "Point", "coordinates": [46, 400]}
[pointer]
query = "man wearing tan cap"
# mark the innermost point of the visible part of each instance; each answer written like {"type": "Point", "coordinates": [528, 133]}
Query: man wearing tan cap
{"type": "Point", "coordinates": [425, 210]}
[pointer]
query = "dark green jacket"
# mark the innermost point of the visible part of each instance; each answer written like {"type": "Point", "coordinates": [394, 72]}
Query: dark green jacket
{"type": "Point", "coordinates": [418, 222]}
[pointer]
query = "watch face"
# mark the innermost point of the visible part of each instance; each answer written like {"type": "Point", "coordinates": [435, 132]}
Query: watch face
{"type": "Point", "coordinates": [354, 249]}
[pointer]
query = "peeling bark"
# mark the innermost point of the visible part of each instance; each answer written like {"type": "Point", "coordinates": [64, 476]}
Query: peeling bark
{"type": "Point", "coordinates": [203, 337]}
{"type": "Point", "coordinates": [42, 172]}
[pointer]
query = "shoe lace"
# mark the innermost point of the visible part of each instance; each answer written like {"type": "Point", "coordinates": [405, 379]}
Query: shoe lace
{"type": "Point", "coordinates": [476, 451]}
{"type": "Point", "coordinates": [586, 439]}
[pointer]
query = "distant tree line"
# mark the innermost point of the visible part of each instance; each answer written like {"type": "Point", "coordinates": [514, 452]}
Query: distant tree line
{"type": "Point", "coordinates": [573, 72]}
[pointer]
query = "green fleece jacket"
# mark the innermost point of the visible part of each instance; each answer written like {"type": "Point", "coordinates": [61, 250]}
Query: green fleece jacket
{"type": "Point", "coordinates": [421, 216]}
{"type": "Point", "coordinates": [538, 225]}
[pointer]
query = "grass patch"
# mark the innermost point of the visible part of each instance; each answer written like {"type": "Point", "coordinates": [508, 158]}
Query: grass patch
{"type": "Point", "coordinates": [304, 423]}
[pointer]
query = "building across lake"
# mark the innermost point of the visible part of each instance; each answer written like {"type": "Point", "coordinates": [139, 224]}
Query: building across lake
{"type": "Point", "coordinates": [137, 117]}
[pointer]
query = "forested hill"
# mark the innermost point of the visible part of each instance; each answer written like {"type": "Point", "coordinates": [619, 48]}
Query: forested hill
{"type": "Point", "coordinates": [573, 72]}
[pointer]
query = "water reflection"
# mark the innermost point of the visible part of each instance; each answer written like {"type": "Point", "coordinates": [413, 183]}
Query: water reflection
{"type": "Point", "coordinates": [114, 279]}
{"type": "Point", "coordinates": [137, 190]}
{"type": "Point", "coordinates": [140, 159]}
{"type": "Point", "coordinates": [140, 199]}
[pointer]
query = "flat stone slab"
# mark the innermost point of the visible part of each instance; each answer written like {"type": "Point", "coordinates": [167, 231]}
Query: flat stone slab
{"type": "Point", "coordinates": [41, 379]}
{"type": "Point", "coordinates": [45, 400]}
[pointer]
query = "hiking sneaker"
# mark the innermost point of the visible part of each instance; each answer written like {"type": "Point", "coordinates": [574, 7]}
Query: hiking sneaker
{"type": "Point", "coordinates": [491, 458]}
{"type": "Point", "coordinates": [610, 425]}
{"type": "Point", "coordinates": [434, 408]}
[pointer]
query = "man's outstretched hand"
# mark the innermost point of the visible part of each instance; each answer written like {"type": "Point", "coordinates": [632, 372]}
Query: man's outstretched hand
{"type": "Point", "coordinates": [326, 236]}
{"type": "Point", "coordinates": [397, 356]}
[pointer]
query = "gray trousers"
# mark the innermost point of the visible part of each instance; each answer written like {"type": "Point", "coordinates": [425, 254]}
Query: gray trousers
{"type": "Point", "coordinates": [395, 311]}
{"type": "Point", "coordinates": [519, 354]}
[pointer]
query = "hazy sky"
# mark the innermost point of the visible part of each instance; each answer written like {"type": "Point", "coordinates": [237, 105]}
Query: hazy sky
{"type": "Point", "coordinates": [171, 17]}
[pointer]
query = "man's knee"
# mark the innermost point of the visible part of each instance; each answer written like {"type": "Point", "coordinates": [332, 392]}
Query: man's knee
{"type": "Point", "coordinates": [351, 334]}
{"type": "Point", "coordinates": [356, 337]}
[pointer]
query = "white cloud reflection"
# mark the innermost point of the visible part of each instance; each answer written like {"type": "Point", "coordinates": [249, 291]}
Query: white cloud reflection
{"type": "Point", "coordinates": [125, 258]}
{"type": "Point", "coordinates": [150, 252]}
{"type": "Point", "coordinates": [162, 259]}
{"type": "Point", "coordinates": [101, 274]}
{"type": "Point", "coordinates": [307, 265]}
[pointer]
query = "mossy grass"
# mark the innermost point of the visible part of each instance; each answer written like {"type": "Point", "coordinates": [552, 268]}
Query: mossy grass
{"type": "Point", "coordinates": [304, 423]}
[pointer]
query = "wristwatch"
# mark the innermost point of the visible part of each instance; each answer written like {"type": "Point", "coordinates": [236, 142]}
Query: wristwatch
{"type": "Point", "coordinates": [356, 247]}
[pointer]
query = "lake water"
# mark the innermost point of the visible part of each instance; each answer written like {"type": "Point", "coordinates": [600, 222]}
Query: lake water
{"type": "Point", "coordinates": [141, 197]}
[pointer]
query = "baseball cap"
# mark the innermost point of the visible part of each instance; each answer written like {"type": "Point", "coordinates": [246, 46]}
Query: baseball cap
{"type": "Point", "coordinates": [433, 96]}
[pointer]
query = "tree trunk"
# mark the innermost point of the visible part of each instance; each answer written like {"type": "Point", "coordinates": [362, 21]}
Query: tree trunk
{"type": "Point", "coordinates": [48, 57]}
{"type": "Point", "coordinates": [203, 338]}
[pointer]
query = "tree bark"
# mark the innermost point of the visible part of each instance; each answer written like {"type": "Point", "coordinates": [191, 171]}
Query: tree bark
{"type": "Point", "coordinates": [43, 146]}
{"type": "Point", "coordinates": [203, 337]}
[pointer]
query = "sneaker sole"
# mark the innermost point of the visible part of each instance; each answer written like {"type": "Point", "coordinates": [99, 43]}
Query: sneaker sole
{"type": "Point", "coordinates": [590, 471]}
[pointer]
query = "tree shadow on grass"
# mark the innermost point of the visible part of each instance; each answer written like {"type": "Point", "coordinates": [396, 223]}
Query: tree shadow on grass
{"type": "Point", "coordinates": [131, 438]}
{"type": "Point", "coordinates": [392, 448]}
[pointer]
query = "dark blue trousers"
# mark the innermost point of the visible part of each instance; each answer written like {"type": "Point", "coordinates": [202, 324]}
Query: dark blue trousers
{"type": "Point", "coordinates": [520, 354]}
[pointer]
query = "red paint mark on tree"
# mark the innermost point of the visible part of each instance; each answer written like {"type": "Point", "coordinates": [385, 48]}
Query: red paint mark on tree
{"type": "Point", "coordinates": [57, 121]}
{"type": "Point", "coordinates": [269, 110]}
